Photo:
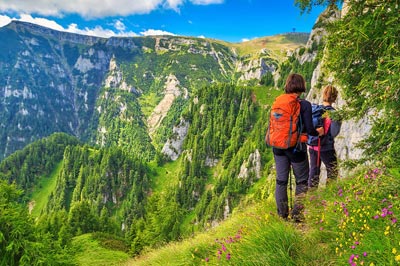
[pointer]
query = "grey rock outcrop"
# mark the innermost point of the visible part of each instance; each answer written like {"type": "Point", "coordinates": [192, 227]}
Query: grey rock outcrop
{"type": "Point", "coordinates": [173, 147]}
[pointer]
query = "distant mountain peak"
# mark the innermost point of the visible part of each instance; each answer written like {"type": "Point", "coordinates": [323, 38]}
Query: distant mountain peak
{"type": "Point", "coordinates": [22, 26]}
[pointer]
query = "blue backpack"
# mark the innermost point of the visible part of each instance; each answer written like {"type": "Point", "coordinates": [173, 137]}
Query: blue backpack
{"type": "Point", "coordinates": [318, 121]}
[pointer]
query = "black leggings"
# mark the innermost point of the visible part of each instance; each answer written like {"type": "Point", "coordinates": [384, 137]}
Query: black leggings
{"type": "Point", "coordinates": [284, 159]}
{"type": "Point", "coordinates": [329, 159]}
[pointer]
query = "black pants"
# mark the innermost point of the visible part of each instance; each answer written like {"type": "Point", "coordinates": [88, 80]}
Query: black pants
{"type": "Point", "coordinates": [329, 159]}
{"type": "Point", "coordinates": [284, 159]}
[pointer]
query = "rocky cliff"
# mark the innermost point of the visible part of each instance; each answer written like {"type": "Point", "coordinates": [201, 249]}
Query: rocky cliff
{"type": "Point", "coordinates": [57, 81]}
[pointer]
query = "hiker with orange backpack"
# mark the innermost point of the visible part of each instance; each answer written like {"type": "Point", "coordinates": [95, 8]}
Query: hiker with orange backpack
{"type": "Point", "coordinates": [289, 120]}
{"type": "Point", "coordinates": [323, 149]}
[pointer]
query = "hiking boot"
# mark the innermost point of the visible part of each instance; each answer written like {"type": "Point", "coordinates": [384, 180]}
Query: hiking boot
{"type": "Point", "coordinates": [297, 213]}
{"type": "Point", "coordinates": [298, 218]}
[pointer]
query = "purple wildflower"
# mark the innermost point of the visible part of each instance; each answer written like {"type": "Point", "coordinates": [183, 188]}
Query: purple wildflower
{"type": "Point", "coordinates": [228, 256]}
{"type": "Point", "coordinates": [351, 258]}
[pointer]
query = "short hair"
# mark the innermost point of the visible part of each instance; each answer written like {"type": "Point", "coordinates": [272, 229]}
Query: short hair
{"type": "Point", "coordinates": [329, 94]}
{"type": "Point", "coordinates": [295, 83]}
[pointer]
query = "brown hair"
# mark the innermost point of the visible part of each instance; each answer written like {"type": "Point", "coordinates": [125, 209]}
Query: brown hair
{"type": "Point", "coordinates": [330, 94]}
{"type": "Point", "coordinates": [295, 83]}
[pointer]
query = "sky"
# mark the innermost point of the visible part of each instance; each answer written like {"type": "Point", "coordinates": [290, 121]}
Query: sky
{"type": "Point", "coordinates": [229, 20]}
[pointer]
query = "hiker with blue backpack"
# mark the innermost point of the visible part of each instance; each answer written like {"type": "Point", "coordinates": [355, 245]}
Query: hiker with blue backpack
{"type": "Point", "coordinates": [322, 149]}
{"type": "Point", "coordinates": [290, 119]}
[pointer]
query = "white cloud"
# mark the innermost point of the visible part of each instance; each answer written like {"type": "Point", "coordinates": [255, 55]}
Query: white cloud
{"type": "Point", "coordinates": [42, 22]}
{"type": "Point", "coordinates": [99, 32]}
{"type": "Point", "coordinates": [119, 25]}
{"type": "Point", "coordinates": [4, 20]}
{"type": "Point", "coordinates": [86, 8]}
{"type": "Point", "coordinates": [247, 39]}
{"type": "Point", "coordinates": [152, 32]}
{"type": "Point", "coordinates": [173, 4]}
{"type": "Point", "coordinates": [91, 9]}
{"type": "Point", "coordinates": [73, 28]}
{"type": "Point", "coordinates": [206, 2]}
{"type": "Point", "coordinates": [95, 8]}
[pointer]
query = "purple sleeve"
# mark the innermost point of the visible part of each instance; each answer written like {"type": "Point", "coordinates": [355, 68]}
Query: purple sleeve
{"type": "Point", "coordinates": [306, 118]}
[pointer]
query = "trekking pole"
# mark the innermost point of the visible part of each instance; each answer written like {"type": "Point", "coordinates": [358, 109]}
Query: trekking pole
{"type": "Point", "coordinates": [291, 189]}
{"type": "Point", "coordinates": [319, 152]}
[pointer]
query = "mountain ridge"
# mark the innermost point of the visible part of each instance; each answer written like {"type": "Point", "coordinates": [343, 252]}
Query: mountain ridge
{"type": "Point", "coordinates": [73, 68]}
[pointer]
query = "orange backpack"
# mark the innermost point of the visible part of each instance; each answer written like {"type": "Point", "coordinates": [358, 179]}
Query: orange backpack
{"type": "Point", "coordinates": [283, 125]}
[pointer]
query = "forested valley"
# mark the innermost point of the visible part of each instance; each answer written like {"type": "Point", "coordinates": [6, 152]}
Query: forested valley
{"type": "Point", "coordinates": [108, 179]}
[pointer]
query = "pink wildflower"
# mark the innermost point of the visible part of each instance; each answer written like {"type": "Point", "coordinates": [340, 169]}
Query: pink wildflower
{"type": "Point", "coordinates": [351, 258]}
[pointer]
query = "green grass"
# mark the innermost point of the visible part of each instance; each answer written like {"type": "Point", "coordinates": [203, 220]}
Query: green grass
{"type": "Point", "coordinates": [265, 96]}
{"type": "Point", "coordinates": [89, 252]}
{"type": "Point", "coordinates": [165, 175]}
{"type": "Point", "coordinates": [148, 102]}
{"type": "Point", "coordinates": [350, 222]}
{"type": "Point", "coordinates": [277, 45]}
{"type": "Point", "coordinates": [40, 196]}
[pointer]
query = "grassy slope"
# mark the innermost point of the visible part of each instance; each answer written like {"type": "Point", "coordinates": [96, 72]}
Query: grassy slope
{"type": "Point", "coordinates": [351, 221]}
{"type": "Point", "coordinates": [90, 252]}
{"type": "Point", "coordinates": [278, 45]}
{"type": "Point", "coordinates": [165, 176]}
{"type": "Point", "coordinates": [47, 184]}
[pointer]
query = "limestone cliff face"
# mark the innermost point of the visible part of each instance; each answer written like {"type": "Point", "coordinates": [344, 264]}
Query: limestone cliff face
{"type": "Point", "coordinates": [255, 68]}
{"type": "Point", "coordinates": [251, 166]}
{"type": "Point", "coordinates": [352, 131]}
{"type": "Point", "coordinates": [173, 147]}
{"type": "Point", "coordinates": [172, 90]}
{"type": "Point", "coordinates": [53, 81]}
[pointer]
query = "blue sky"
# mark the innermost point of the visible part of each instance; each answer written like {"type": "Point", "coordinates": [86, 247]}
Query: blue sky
{"type": "Point", "coordinates": [228, 20]}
